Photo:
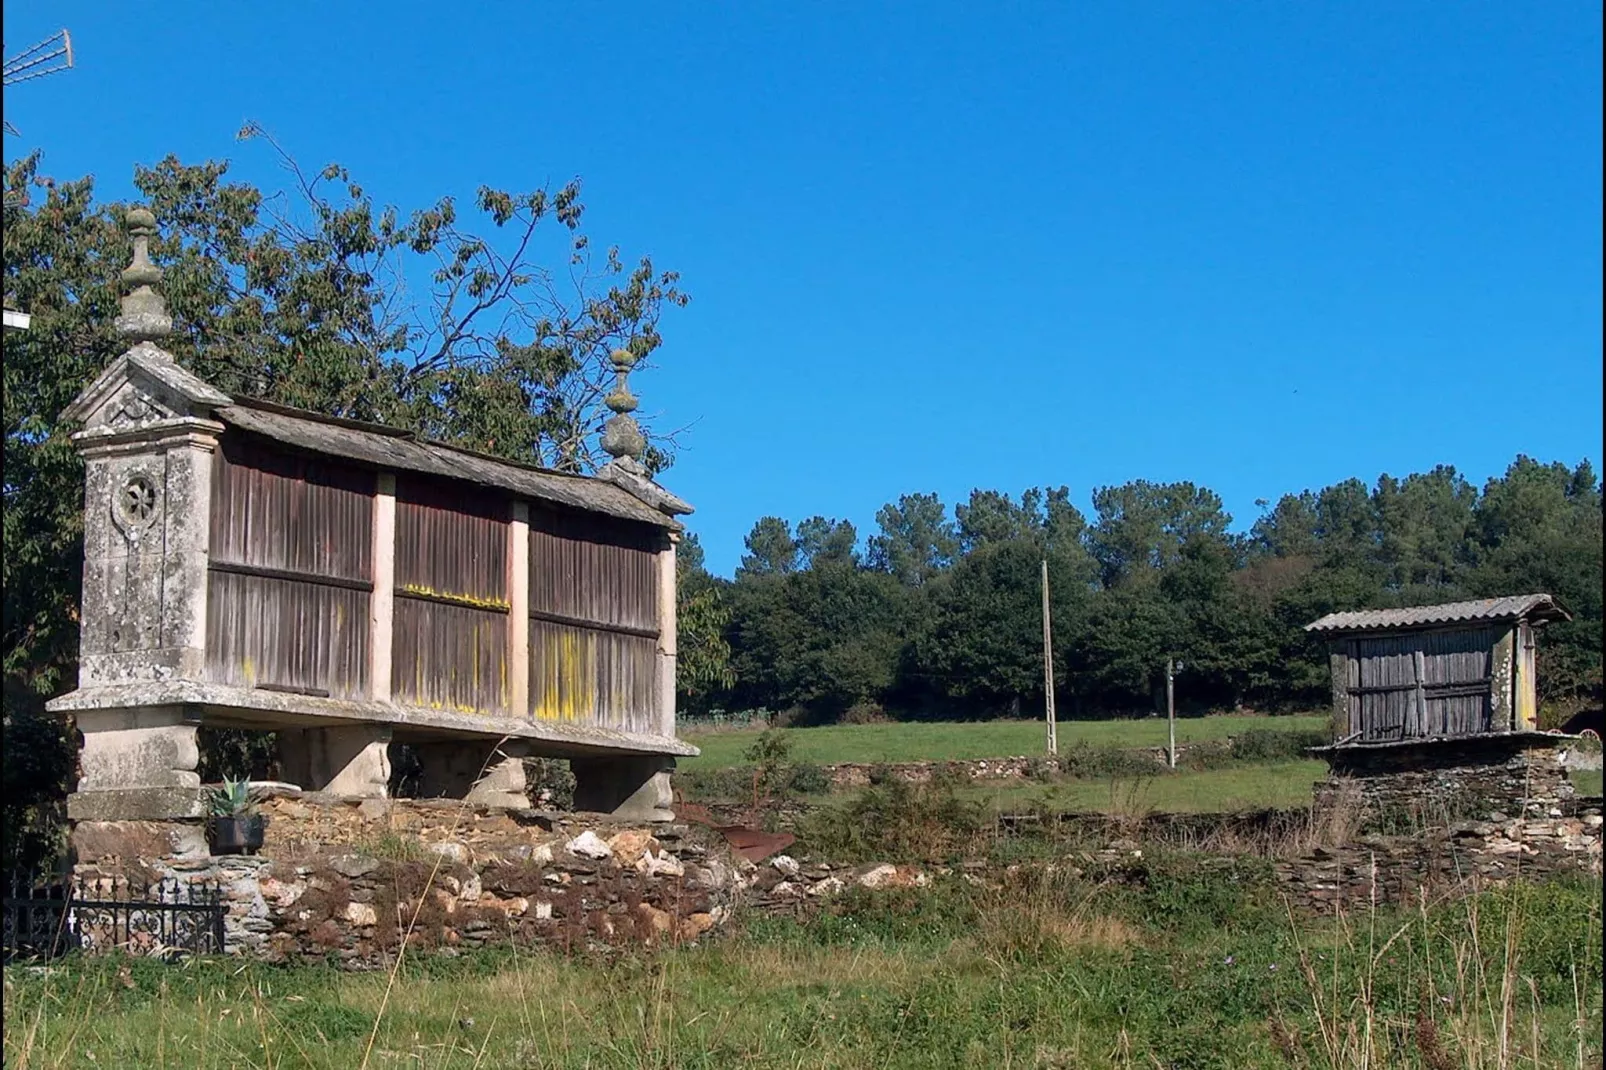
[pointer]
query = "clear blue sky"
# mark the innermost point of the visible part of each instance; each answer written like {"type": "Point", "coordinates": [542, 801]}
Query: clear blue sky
{"type": "Point", "coordinates": [938, 246]}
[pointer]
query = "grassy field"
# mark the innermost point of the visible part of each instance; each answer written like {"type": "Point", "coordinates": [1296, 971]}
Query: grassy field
{"type": "Point", "coordinates": [913, 742]}
{"type": "Point", "coordinates": [1196, 971]}
{"type": "Point", "coordinates": [1247, 787]}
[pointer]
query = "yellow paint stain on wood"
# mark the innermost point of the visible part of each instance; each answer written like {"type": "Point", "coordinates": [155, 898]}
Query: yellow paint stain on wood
{"type": "Point", "coordinates": [568, 690]}
{"type": "Point", "coordinates": [500, 605]}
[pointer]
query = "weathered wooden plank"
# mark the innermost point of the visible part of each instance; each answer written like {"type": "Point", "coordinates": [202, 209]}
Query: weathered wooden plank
{"type": "Point", "coordinates": [274, 509]}
{"type": "Point", "coordinates": [286, 633]}
{"type": "Point", "coordinates": [451, 541]}
{"type": "Point", "coordinates": [449, 657]}
{"type": "Point", "coordinates": [584, 572]}
{"type": "Point", "coordinates": [592, 677]}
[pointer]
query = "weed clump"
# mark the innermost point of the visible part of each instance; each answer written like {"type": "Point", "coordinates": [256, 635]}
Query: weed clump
{"type": "Point", "coordinates": [896, 821]}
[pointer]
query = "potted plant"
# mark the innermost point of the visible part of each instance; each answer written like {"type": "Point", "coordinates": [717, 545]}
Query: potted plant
{"type": "Point", "coordinates": [235, 827]}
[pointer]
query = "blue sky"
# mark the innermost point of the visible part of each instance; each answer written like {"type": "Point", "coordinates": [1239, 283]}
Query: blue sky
{"type": "Point", "coordinates": [940, 246]}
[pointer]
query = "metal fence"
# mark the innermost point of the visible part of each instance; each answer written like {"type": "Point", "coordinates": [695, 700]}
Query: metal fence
{"type": "Point", "coordinates": [44, 918]}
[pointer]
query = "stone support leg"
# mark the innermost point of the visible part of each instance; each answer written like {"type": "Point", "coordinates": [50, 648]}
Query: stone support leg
{"type": "Point", "coordinates": [348, 760]}
{"type": "Point", "coordinates": [484, 773]}
{"type": "Point", "coordinates": [633, 788]}
{"type": "Point", "coordinates": [148, 748]}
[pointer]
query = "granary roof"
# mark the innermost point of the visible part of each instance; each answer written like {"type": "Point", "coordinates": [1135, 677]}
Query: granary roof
{"type": "Point", "coordinates": [390, 447]}
{"type": "Point", "coordinates": [622, 489]}
{"type": "Point", "coordinates": [1478, 611]}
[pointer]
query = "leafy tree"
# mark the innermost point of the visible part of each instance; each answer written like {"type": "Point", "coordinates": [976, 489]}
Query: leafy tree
{"type": "Point", "coordinates": [1141, 527]}
{"type": "Point", "coordinates": [702, 616]}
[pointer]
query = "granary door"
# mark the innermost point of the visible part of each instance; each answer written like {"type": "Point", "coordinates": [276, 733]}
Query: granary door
{"type": "Point", "coordinates": [1423, 685]}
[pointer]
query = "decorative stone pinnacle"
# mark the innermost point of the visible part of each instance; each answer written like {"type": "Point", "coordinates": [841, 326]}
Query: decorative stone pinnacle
{"type": "Point", "coordinates": [144, 317]}
{"type": "Point", "coordinates": [621, 435]}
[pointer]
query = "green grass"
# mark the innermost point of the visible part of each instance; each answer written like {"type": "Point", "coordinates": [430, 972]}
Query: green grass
{"type": "Point", "coordinates": [1187, 969]}
{"type": "Point", "coordinates": [1273, 785]}
{"type": "Point", "coordinates": [939, 741]}
{"type": "Point", "coordinates": [1587, 782]}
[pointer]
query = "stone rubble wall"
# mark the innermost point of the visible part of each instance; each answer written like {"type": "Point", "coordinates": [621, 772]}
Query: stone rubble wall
{"type": "Point", "coordinates": [1019, 767]}
{"type": "Point", "coordinates": [1397, 869]}
{"type": "Point", "coordinates": [1397, 791]}
{"type": "Point", "coordinates": [353, 881]}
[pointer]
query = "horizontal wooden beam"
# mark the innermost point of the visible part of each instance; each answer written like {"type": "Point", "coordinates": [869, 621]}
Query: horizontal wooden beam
{"type": "Point", "coordinates": [286, 574]}
{"type": "Point", "coordinates": [593, 625]}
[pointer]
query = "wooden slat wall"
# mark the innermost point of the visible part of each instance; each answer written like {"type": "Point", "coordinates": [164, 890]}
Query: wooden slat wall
{"type": "Point", "coordinates": [594, 622]}
{"type": "Point", "coordinates": [584, 572]}
{"type": "Point", "coordinates": [305, 637]}
{"type": "Point", "coordinates": [1457, 661]}
{"type": "Point", "coordinates": [449, 649]}
{"type": "Point", "coordinates": [1423, 684]}
{"type": "Point", "coordinates": [274, 509]}
{"type": "Point", "coordinates": [451, 541]}
{"type": "Point", "coordinates": [449, 657]}
{"type": "Point", "coordinates": [291, 570]}
{"type": "Point", "coordinates": [592, 677]}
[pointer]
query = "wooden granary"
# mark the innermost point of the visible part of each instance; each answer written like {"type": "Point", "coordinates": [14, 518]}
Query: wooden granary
{"type": "Point", "coordinates": [1436, 672]}
{"type": "Point", "coordinates": [347, 585]}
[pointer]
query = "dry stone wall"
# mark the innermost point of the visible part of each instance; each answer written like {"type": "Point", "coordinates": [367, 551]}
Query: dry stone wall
{"type": "Point", "coordinates": [1398, 869]}
{"type": "Point", "coordinates": [355, 881]}
{"type": "Point", "coordinates": [1019, 767]}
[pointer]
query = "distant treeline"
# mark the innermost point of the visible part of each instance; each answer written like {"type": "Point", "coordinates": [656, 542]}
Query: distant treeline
{"type": "Point", "coordinates": [938, 614]}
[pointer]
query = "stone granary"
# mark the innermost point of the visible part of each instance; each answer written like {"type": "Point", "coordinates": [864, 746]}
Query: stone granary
{"type": "Point", "coordinates": [345, 585]}
{"type": "Point", "coordinates": [1436, 707]}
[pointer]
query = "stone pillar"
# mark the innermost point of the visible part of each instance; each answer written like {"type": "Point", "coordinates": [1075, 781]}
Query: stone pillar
{"type": "Point", "coordinates": [630, 787]}
{"type": "Point", "coordinates": [667, 648]}
{"type": "Point", "coordinates": [483, 772]}
{"type": "Point", "coordinates": [382, 604]}
{"type": "Point", "coordinates": [147, 442]}
{"type": "Point", "coordinates": [345, 760]}
{"type": "Point", "coordinates": [1338, 670]}
{"type": "Point", "coordinates": [518, 612]}
{"type": "Point", "coordinates": [147, 533]}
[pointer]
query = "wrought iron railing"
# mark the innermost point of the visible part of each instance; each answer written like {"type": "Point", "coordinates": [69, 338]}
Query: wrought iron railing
{"type": "Point", "coordinates": [49, 917]}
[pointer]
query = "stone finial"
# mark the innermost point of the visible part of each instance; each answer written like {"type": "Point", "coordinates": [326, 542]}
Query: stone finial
{"type": "Point", "coordinates": [621, 435]}
{"type": "Point", "coordinates": [144, 317]}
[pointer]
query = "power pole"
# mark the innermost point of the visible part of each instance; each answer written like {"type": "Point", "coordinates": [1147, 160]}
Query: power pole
{"type": "Point", "coordinates": [1048, 670]}
{"type": "Point", "coordinates": [1171, 713]}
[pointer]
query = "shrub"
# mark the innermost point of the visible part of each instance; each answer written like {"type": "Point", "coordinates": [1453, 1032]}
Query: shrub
{"type": "Point", "coordinates": [731, 783]}
{"type": "Point", "coordinates": [807, 778]}
{"type": "Point", "coordinates": [896, 822]}
{"type": "Point", "coordinates": [552, 776]}
{"type": "Point", "coordinates": [1273, 745]}
{"type": "Point", "coordinates": [865, 712]}
{"type": "Point", "coordinates": [1088, 761]}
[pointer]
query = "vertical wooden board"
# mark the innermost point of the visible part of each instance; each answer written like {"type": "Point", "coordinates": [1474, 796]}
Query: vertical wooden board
{"type": "Point", "coordinates": [587, 570]}
{"type": "Point", "coordinates": [287, 633]}
{"type": "Point", "coordinates": [276, 509]}
{"type": "Point", "coordinates": [590, 677]}
{"type": "Point", "coordinates": [451, 540]}
{"type": "Point", "coordinates": [449, 657]}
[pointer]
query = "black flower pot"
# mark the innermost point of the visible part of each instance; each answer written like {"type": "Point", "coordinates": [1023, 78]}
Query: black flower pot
{"type": "Point", "coordinates": [236, 835]}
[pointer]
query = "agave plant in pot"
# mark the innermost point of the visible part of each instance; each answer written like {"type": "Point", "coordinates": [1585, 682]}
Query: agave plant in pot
{"type": "Point", "coordinates": [235, 827]}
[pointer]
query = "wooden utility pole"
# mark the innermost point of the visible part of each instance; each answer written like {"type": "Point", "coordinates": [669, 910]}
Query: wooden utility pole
{"type": "Point", "coordinates": [1171, 713]}
{"type": "Point", "coordinates": [1048, 670]}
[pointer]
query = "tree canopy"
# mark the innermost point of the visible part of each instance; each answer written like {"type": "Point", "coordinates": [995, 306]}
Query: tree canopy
{"type": "Point", "coordinates": [943, 612]}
